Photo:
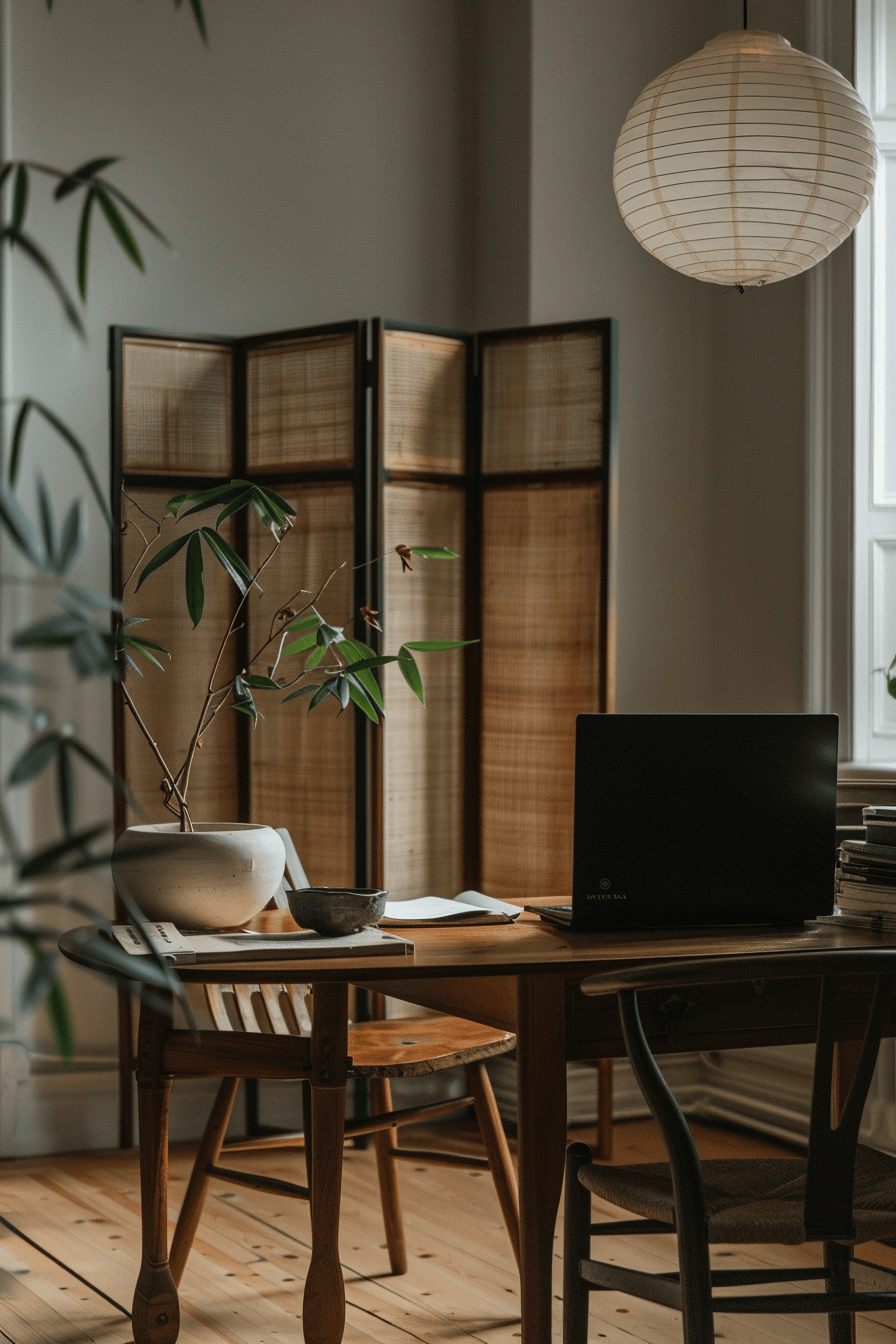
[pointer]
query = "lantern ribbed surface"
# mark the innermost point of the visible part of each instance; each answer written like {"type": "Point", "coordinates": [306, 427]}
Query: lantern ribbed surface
{"type": "Point", "coordinates": [747, 163]}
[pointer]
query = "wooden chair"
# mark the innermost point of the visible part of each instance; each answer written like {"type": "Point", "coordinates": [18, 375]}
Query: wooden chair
{"type": "Point", "coordinates": [380, 1050]}
{"type": "Point", "coordinates": [839, 1193]}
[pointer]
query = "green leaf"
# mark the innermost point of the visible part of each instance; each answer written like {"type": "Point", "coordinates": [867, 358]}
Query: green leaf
{"type": "Point", "coordinates": [242, 700]}
{"type": "Point", "coordinates": [80, 453]}
{"type": "Point", "coordinates": [92, 654]}
{"type": "Point", "coordinates": [119, 226]}
{"type": "Point", "coordinates": [891, 686]}
{"type": "Point", "coordinates": [8, 705]}
{"type": "Point", "coordinates": [100, 601]}
{"type": "Point", "coordinates": [196, 6]}
{"type": "Point", "coordinates": [34, 759]}
{"type": "Point", "coordinates": [195, 586]}
{"type": "Point", "coordinates": [18, 432]}
{"type": "Point", "coordinates": [432, 645]}
{"type": "Point", "coordinates": [5, 172]}
{"type": "Point", "coordinates": [164, 555]}
{"type": "Point", "coordinates": [357, 652]}
{"type": "Point", "coordinates": [21, 530]}
{"type": "Point", "coordinates": [303, 690]}
{"type": "Point", "coordinates": [11, 675]}
{"type": "Point", "coordinates": [84, 241]}
{"type": "Point", "coordinates": [20, 197]}
{"type": "Point", "coordinates": [60, 1021]}
{"type": "Point", "coordinates": [358, 695]}
{"type": "Point", "coordinates": [71, 541]}
{"type": "Point", "coordinates": [208, 499]}
{"type": "Point", "coordinates": [410, 672]}
{"type": "Point", "coordinates": [300, 645]}
{"type": "Point", "coordinates": [328, 634]}
{"type": "Point", "coordinates": [38, 258]}
{"type": "Point", "coordinates": [434, 552]}
{"type": "Point", "coordinates": [118, 784]}
{"type": "Point", "coordinates": [48, 860]}
{"type": "Point", "coordinates": [47, 521]}
{"type": "Point", "coordinates": [65, 785]}
{"type": "Point", "coordinates": [306, 622]}
{"type": "Point", "coordinates": [233, 507]}
{"type": "Point", "coordinates": [234, 564]}
{"type": "Point", "coordinates": [50, 633]}
{"type": "Point", "coordinates": [317, 656]}
{"type": "Point", "coordinates": [377, 660]}
{"type": "Point", "coordinates": [176, 503]}
{"type": "Point", "coordinates": [262, 683]}
{"type": "Point", "coordinates": [144, 649]}
{"type": "Point", "coordinates": [80, 177]}
{"type": "Point", "coordinates": [324, 689]}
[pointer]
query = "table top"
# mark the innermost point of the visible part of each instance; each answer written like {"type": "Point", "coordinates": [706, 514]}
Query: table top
{"type": "Point", "coordinates": [528, 946]}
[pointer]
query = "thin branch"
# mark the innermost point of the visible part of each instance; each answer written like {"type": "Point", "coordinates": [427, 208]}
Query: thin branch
{"type": "Point", "coordinates": [186, 823]}
{"type": "Point", "coordinates": [147, 545]}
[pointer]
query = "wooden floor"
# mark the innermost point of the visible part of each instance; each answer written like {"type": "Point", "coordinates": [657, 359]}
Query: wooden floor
{"type": "Point", "coordinates": [69, 1243]}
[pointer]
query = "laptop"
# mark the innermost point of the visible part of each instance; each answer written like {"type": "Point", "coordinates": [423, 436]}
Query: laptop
{"type": "Point", "coordinates": [702, 821]}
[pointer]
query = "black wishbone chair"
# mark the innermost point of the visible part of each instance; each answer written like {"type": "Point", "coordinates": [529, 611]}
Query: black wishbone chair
{"type": "Point", "coordinates": [839, 1194]}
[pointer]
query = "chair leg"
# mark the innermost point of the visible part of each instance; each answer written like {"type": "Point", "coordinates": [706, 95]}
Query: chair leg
{"type": "Point", "coordinates": [576, 1246]}
{"type": "Point", "coordinates": [307, 1132]}
{"type": "Point", "coordinates": [384, 1141]}
{"type": "Point", "coordinates": [841, 1324]}
{"type": "Point", "coordinates": [497, 1152]}
{"type": "Point", "coordinates": [604, 1152]}
{"type": "Point", "coordinates": [194, 1199]}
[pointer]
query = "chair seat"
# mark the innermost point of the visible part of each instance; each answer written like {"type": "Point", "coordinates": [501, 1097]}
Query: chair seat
{"type": "Point", "coordinates": [409, 1047]}
{"type": "Point", "coordinates": [752, 1200]}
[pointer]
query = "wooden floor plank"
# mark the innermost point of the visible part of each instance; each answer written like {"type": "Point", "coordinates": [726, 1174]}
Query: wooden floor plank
{"type": "Point", "coordinates": [244, 1281]}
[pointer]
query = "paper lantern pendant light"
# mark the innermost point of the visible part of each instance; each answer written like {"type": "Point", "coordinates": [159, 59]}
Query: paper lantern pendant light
{"type": "Point", "coordinates": [745, 164]}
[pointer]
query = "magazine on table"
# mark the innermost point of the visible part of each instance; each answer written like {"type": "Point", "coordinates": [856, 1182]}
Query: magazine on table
{"type": "Point", "coordinates": [470, 907]}
{"type": "Point", "coordinates": [184, 948]}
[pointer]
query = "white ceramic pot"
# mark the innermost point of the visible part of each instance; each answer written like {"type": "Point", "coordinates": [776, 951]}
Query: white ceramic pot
{"type": "Point", "coordinates": [216, 876]}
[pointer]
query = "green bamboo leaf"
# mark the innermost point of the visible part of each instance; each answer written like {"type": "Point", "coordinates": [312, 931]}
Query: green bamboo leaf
{"type": "Point", "coordinates": [80, 177]}
{"type": "Point", "coordinates": [133, 620]}
{"type": "Point", "coordinates": [195, 587]}
{"type": "Point", "coordinates": [118, 784]}
{"type": "Point", "coordinates": [72, 538]}
{"type": "Point", "coordinates": [325, 689]}
{"type": "Point", "coordinates": [176, 503]}
{"type": "Point", "coordinates": [9, 705]}
{"type": "Point", "coordinates": [357, 652]}
{"type": "Point", "coordinates": [377, 660]}
{"type": "Point", "coordinates": [61, 1021]}
{"type": "Point", "coordinates": [243, 702]}
{"type": "Point", "coordinates": [21, 530]}
{"type": "Point", "coordinates": [91, 597]}
{"type": "Point", "coordinates": [224, 553]}
{"type": "Point", "coordinates": [129, 662]}
{"type": "Point", "coordinates": [328, 634]}
{"type": "Point", "coordinates": [12, 675]}
{"type": "Point", "coordinates": [47, 522]}
{"type": "Point", "coordinates": [84, 241]}
{"type": "Point", "coordinates": [233, 507]}
{"type": "Point", "coordinates": [891, 686]}
{"type": "Point", "coordinates": [300, 645]}
{"type": "Point", "coordinates": [434, 552]}
{"type": "Point", "coordinates": [207, 499]}
{"type": "Point", "coordinates": [410, 672]}
{"type": "Point", "coordinates": [164, 555]}
{"type": "Point", "coordinates": [262, 683]}
{"type": "Point", "coordinates": [92, 654]}
{"type": "Point", "coordinates": [38, 258]}
{"type": "Point", "coordinates": [317, 655]}
{"type": "Point", "coordinates": [5, 172]}
{"type": "Point", "coordinates": [80, 453]}
{"type": "Point", "coordinates": [303, 690]}
{"type": "Point", "coordinates": [196, 6]}
{"type": "Point", "coordinates": [20, 197]}
{"type": "Point", "coordinates": [50, 633]}
{"type": "Point", "coordinates": [119, 226]}
{"type": "Point", "coordinates": [144, 649]}
{"type": "Point", "coordinates": [358, 695]}
{"type": "Point", "coordinates": [282, 504]}
{"type": "Point", "coordinates": [342, 691]}
{"type": "Point", "coordinates": [65, 786]}
{"type": "Point", "coordinates": [49, 859]}
{"type": "Point", "coordinates": [431, 645]}
{"type": "Point", "coordinates": [34, 759]}
{"type": "Point", "coordinates": [306, 622]}
{"type": "Point", "coordinates": [18, 433]}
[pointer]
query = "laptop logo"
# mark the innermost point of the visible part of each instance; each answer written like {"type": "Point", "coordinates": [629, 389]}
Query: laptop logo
{"type": "Point", "coordinates": [605, 894]}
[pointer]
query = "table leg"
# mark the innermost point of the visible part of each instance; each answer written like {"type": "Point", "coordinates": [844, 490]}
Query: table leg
{"type": "Point", "coordinates": [156, 1311]}
{"type": "Point", "coordinates": [541, 1131]}
{"type": "Point", "coordinates": [323, 1312]}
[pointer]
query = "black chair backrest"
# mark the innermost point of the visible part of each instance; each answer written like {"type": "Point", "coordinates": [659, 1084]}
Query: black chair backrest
{"type": "Point", "coordinates": [828, 1208]}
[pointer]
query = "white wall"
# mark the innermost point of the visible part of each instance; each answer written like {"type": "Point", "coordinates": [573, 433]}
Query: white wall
{"type": "Point", "coordinates": [449, 162]}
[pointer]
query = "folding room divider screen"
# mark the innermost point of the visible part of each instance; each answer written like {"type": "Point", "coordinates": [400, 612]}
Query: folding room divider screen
{"type": "Point", "coordinates": [497, 445]}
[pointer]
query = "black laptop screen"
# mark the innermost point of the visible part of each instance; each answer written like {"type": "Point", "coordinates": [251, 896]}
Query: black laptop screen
{"type": "Point", "coordinates": [686, 820]}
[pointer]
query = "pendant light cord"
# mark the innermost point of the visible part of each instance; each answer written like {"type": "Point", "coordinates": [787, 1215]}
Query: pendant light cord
{"type": "Point", "coordinates": [745, 15]}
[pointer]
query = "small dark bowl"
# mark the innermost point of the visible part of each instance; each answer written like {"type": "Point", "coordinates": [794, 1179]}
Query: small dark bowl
{"type": "Point", "coordinates": [336, 911]}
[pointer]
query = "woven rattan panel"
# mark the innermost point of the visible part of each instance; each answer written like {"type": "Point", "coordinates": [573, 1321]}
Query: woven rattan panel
{"type": "Point", "coordinates": [424, 397]}
{"type": "Point", "coordinates": [423, 757]}
{"type": "Point", "coordinates": [169, 701]}
{"type": "Point", "coordinates": [301, 404]}
{"type": "Point", "coordinates": [302, 765]}
{"type": "Point", "coordinates": [542, 402]}
{"type": "Point", "coordinates": [540, 643]}
{"type": "Point", "coordinates": [176, 408]}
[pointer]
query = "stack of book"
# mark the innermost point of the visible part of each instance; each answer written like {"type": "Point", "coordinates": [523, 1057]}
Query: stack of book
{"type": "Point", "coordinates": [866, 875]}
